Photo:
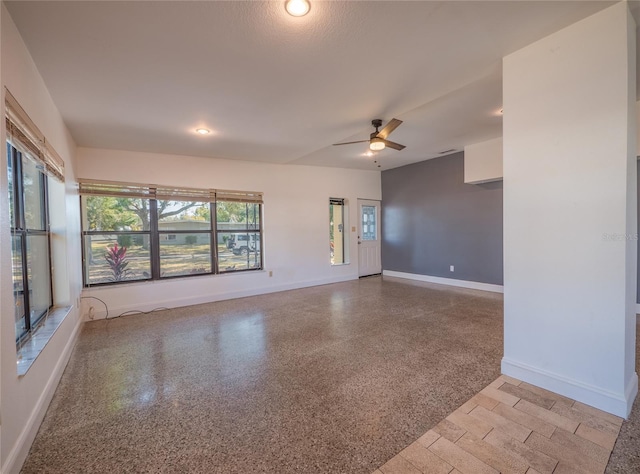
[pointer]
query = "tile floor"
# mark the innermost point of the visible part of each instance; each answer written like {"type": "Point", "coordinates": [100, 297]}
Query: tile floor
{"type": "Point", "coordinates": [513, 427]}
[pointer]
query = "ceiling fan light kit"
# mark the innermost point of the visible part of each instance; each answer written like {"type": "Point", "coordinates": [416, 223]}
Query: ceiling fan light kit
{"type": "Point", "coordinates": [376, 144]}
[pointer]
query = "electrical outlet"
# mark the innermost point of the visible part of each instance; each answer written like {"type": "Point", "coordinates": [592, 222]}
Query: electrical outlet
{"type": "Point", "coordinates": [91, 313]}
{"type": "Point", "coordinates": [270, 273]}
{"type": "Point", "coordinates": [450, 268]}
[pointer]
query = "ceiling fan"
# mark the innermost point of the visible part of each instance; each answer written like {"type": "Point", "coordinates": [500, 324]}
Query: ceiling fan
{"type": "Point", "coordinates": [378, 139]}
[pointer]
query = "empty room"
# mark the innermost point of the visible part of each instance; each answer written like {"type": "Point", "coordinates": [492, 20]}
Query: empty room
{"type": "Point", "coordinates": [319, 236]}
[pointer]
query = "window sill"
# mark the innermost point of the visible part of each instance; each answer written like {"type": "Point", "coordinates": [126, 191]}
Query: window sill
{"type": "Point", "coordinates": [29, 350]}
{"type": "Point", "coordinates": [340, 264]}
{"type": "Point", "coordinates": [149, 281]}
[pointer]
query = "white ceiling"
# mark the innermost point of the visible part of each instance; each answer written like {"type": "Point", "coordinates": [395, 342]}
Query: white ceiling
{"type": "Point", "coordinates": [144, 75]}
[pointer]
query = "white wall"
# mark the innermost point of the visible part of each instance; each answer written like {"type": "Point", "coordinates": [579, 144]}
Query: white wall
{"type": "Point", "coordinates": [296, 223]}
{"type": "Point", "coordinates": [483, 161]}
{"type": "Point", "coordinates": [569, 204]}
{"type": "Point", "coordinates": [23, 401]}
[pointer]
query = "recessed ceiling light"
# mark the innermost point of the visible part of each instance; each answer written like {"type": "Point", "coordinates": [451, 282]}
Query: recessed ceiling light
{"type": "Point", "coordinates": [203, 131]}
{"type": "Point", "coordinates": [297, 7]}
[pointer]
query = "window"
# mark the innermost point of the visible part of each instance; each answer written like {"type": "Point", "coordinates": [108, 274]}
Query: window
{"type": "Point", "coordinates": [136, 232]}
{"type": "Point", "coordinates": [35, 178]}
{"type": "Point", "coordinates": [239, 236]}
{"type": "Point", "coordinates": [30, 240]}
{"type": "Point", "coordinates": [186, 249]}
{"type": "Point", "coordinates": [117, 239]}
{"type": "Point", "coordinates": [336, 231]}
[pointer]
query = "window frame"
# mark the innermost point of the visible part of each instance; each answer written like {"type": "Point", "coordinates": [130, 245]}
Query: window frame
{"type": "Point", "coordinates": [247, 230]}
{"type": "Point", "coordinates": [18, 228]}
{"type": "Point", "coordinates": [343, 232]}
{"type": "Point", "coordinates": [158, 260]}
{"type": "Point", "coordinates": [181, 194]}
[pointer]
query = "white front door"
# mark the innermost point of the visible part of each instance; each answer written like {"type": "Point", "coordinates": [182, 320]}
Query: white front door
{"type": "Point", "coordinates": [369, 261]}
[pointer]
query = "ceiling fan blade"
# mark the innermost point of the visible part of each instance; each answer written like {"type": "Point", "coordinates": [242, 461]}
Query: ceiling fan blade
{"type": "Point", "coordinates": [350, 143]}
{"type": "Point", "coordinates": [394, 145]}
{"type": "Point", "coordinates": [388, 128]}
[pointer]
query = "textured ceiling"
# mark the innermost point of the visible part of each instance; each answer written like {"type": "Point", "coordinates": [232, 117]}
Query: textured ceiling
{"type": "Point", "coordinates": [144, 75]}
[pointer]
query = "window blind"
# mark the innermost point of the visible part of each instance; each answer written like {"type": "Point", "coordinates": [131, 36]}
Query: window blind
{"type": "Point", "coordinates": [185, 194]}
{"type": "Point", "coordinates": [111, 188]}
{"type": "Point", "coordinates": [23, 134]}
{"type": "Point", "coordinates": [239, 196]}
{"type": "Point", "coordinates": [148, 191]}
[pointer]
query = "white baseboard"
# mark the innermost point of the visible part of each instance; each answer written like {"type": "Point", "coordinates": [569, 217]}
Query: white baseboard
{"type": "Point", "coordinates": [209, 298]}
{"type": "Point", "coordinates": [615, 403]}
{"type": "Point", "coordinates": [20, 450]}
{"type": "Point", "coordinates": [474, 285]}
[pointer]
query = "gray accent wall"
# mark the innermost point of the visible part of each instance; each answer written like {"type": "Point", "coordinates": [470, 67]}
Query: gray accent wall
{"type": "Point", "coordinates": [431, 220]}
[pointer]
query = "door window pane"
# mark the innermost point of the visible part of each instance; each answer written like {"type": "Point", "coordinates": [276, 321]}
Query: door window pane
{"type": "Point", "coordinates": [185, 254]}
{"type": "Point", "coordinates": [33, 195]}
{"type": "Point", "coordinates": [39, 275]}
{"type": "Point", "coordinates": [369, 223]}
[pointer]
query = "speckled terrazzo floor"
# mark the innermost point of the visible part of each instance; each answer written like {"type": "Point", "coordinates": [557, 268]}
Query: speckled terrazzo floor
{"type": "Point", "coordinates": [337, 378]}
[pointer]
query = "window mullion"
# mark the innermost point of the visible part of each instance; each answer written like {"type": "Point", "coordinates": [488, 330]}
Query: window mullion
{"type": "Point", "coordinates": [25, 282]}
{"type": "Point", "coordinates": [214, 237]}
{"type": "Point", "coordinates": [18, 190]}
{"type": "Point", "coordinates": [47, 226]}
{"type": "Point", "coordinates": [154, 239]}
{"type": "Point", "coordinates": [20, 223]}
{"type": "Point", "coordinates": [260, 230]}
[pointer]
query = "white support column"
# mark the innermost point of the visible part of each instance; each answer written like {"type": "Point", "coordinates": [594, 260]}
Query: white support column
{"type": "Point", "coordinates": [570, 211]}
